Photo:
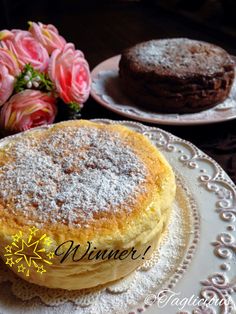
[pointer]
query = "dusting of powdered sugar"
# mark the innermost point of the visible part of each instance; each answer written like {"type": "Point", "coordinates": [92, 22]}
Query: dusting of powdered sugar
{"type": "Point", "coordinates": [181, 54]}
{"type": "Point", "coordinates": [71, 175]}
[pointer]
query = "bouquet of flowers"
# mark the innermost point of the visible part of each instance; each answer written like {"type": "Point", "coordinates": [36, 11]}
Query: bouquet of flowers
{"type": "Point", "coordinates": [36, 68]}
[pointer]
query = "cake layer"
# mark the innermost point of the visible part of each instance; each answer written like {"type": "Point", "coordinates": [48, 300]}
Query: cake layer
{"type": "Point", "coordinates": [196, 75]}
{"type": "Point", "coordinates": [84, 182]}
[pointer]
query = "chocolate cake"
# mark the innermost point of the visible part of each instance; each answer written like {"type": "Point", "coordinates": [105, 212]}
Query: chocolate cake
{"type": "Point", "coordinates": [176, 75]}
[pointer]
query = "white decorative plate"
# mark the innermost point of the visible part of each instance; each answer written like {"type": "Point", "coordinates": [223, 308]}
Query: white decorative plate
{"type": "Point", "coordinates": [106, 91]}
{"type": "Point", "coordinates": [196, 261]}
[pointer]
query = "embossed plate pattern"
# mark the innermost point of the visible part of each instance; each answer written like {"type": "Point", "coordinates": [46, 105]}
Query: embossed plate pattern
{"type": "Point", "coordinates": [213, 269]}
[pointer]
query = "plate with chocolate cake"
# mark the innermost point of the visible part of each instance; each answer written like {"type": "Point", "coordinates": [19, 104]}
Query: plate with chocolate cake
{"type": "Point", "coordinates": [175, 81]}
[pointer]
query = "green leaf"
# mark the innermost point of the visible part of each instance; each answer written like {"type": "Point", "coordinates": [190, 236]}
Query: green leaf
{"type": "Point", "coordinates": [74, 106]}
{"type": "Point", "coordinates": [35, 80]}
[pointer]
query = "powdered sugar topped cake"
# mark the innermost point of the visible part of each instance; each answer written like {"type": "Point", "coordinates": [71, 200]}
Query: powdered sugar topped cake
{"type": "Point", "coordinates": [100, 175]}
{"type": "Point", "coordinates": [176, 75]}
{"type": "Point", "coordinates": [84, 181]}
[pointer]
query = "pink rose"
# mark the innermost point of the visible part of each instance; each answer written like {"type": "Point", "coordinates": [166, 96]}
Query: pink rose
{"type": "Point", "coordinates": [70, 74]}
{"type": "Point", "coordinates": [26, 48]}
{"type": "Point", "coordinates": [27, 109]}
{"type": "Point", "coordinates": [8, 71]}
{"type": "Point", "coordinates": [47, 35]}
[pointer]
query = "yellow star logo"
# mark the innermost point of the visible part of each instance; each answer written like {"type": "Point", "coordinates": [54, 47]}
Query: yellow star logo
{"type": "Point", "coordinates": [10, 262]}
{"type": "Point", "coordinates": [41, 270]}
{"type": "Point", "coordinates": [33, 230]}
{"type": "Point", "coordinates": [26, 250]}
{"type": "Point", "coordinates": [8, 248]}
{"type": "Point", "coordinates": [47, 241]}
{"type": "Point", "coordinates": [21, 268]}
{"type": "Point", "coordinates": [50, 255]}
{"type": "Point", "coordinates": [16, 237]}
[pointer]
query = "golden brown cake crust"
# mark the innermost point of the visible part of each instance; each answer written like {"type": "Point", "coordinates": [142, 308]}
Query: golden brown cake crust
{"type": "Point", "coordinates": [84, 181]}
{"type": "Point", "coordinates": [176, 75]}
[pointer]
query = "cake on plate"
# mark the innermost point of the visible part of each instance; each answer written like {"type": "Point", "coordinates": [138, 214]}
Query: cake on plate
{"type": "Point", "coordinates": [176, 75]}
{"type": "Point", "coordinates": [81, 181]}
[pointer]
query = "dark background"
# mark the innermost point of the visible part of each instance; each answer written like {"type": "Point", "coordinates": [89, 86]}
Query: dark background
{"type": "Point", "coordinates": [103, 28]}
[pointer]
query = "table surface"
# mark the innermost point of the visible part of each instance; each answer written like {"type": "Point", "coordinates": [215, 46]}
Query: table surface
{"type": "Point", "coordinates": [104, 30]}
